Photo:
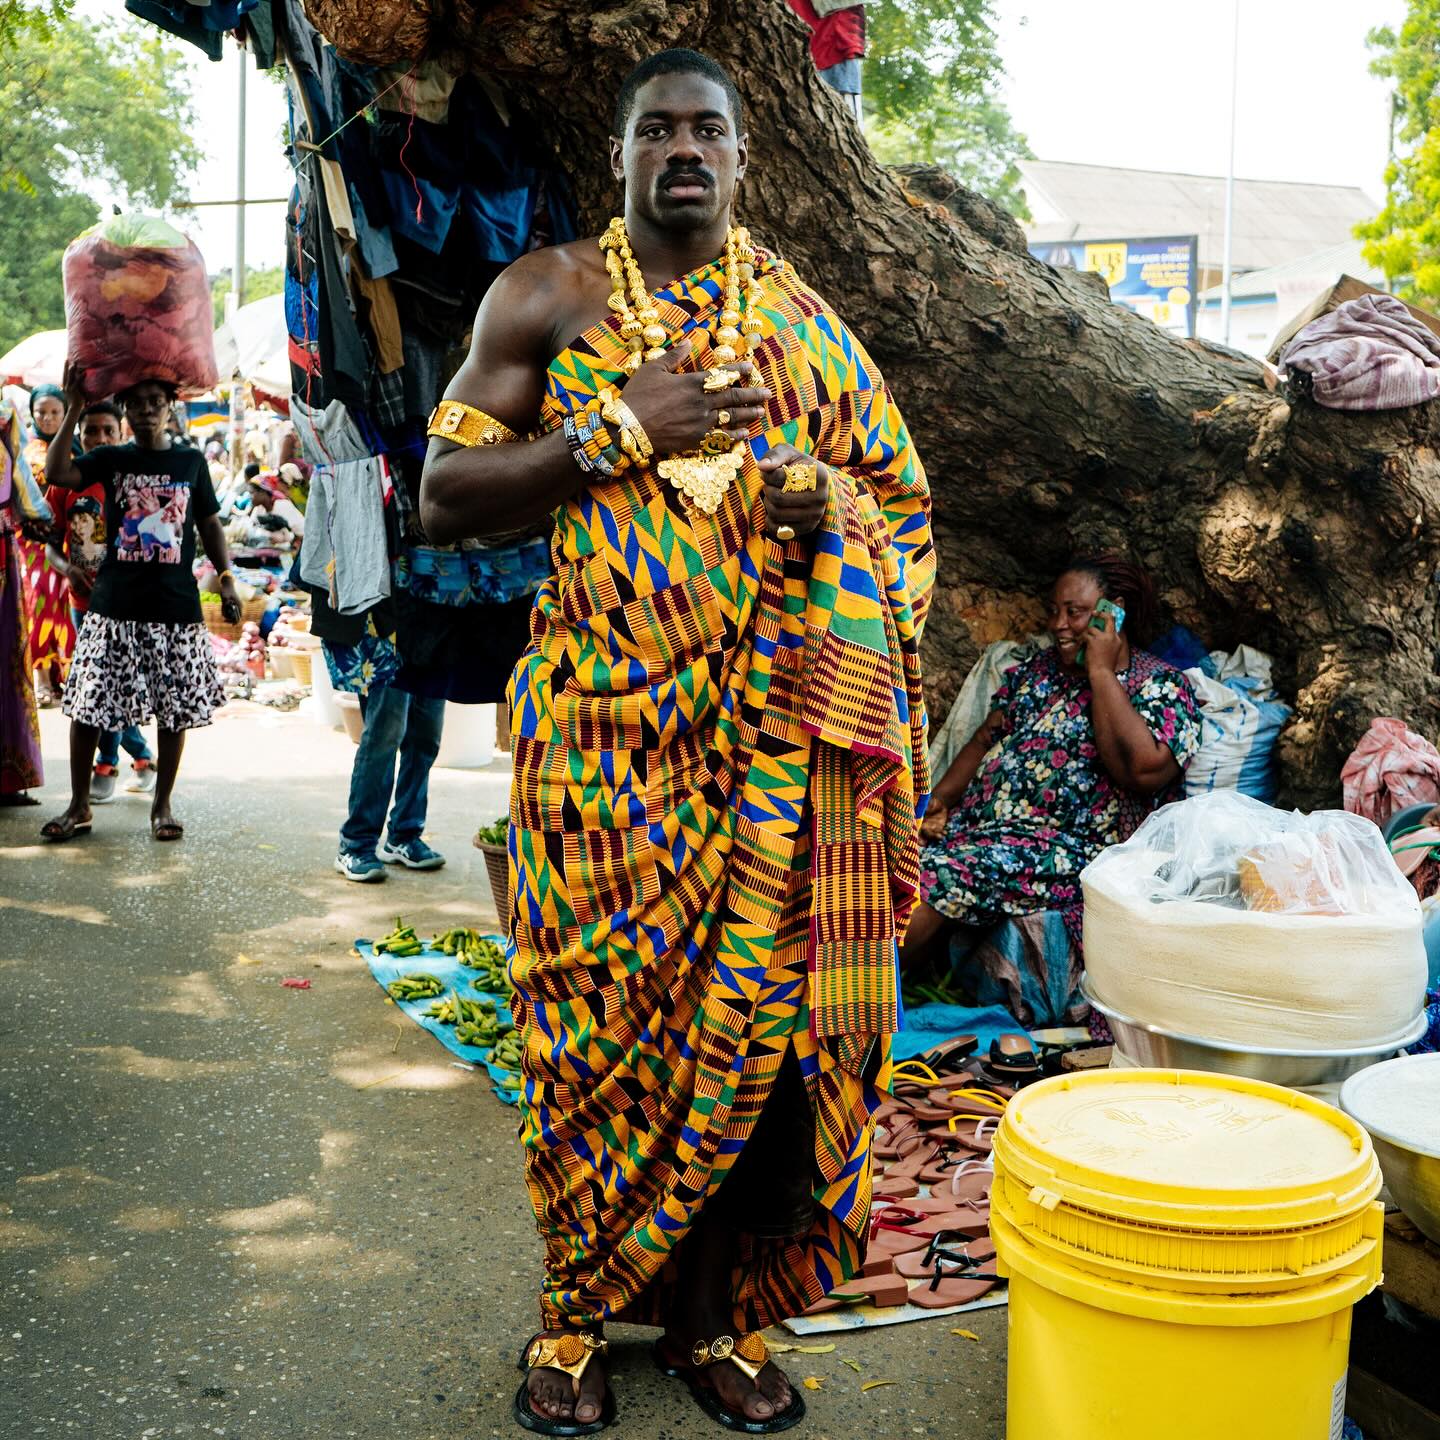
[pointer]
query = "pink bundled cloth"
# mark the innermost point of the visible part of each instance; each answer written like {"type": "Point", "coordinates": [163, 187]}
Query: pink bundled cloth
{"type": "Point", "coordinates": [1392, 767]}
{"type": "Point", "coordinates": [138, 307]}
{"type": "Point", "coordinates": [1369, 354]}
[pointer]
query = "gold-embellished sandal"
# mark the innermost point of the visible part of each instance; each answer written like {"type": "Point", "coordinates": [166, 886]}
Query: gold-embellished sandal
{"type": "Point", "coordinates": [749, 1355]}
{"type": "Point", "coordinates": [571, 1354]}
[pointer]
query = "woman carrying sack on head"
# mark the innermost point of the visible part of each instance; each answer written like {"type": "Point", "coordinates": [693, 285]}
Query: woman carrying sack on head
{"type": "Point", "coordinates": [144, 651]}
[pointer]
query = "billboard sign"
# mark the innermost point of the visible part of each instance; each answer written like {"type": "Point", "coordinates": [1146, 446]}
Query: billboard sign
{"type": "Point", "coordinates": [1156, 277]}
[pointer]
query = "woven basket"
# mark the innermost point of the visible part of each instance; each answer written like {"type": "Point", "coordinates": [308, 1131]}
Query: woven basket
{"type": "Point", "coordinates": [302, 664]}
{"type": "Point", "coordinates": [497, 866]}
{"type": "Point", "coordinates": [251, 609]}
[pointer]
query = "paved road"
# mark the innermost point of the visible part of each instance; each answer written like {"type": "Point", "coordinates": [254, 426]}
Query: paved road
{"type": "Point", "coordinates": [231, 1208]}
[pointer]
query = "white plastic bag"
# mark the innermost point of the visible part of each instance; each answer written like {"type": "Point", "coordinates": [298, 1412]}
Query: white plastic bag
{"type": "Point", "coordinates": [1226, 919]}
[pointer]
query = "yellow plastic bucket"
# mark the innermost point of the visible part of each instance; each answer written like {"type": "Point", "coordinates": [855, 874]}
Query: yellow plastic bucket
{"type": "Point", "coordinates": [1183, 1250]}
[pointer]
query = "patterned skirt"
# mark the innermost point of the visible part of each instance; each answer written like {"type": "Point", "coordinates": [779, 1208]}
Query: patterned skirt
{"type": "Point", "coordinates": [52, 630]}
{"type": "Point", "coordinates": [20, 767]}
{"type": "Point", "coordinates": [127, 672]}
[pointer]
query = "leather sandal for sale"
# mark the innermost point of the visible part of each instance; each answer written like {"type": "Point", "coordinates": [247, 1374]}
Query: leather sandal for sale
{"type": "Point", "coordinates": [571, 1354]}
{"type": "Point", "coordinates": [748, 1354]}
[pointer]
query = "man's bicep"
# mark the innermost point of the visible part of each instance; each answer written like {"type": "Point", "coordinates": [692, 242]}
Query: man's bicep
{"type": "Point", "coordinates": [504, 373]}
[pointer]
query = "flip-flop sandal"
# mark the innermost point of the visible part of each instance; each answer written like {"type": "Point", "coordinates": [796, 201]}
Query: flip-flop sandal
{"type": "Point", "coordinates": [971, 1181]}
{"type": "Point", "coordinates": [705, 1397]}
{"type": "Point", "coordinates": [63, 829]}
{"type": "Point", "coordinates": [889, 1188]}
{"type": "Point", "coordinates": [167, 829]}
{"type": "Point", "coordinates": [942, 1292]}
{"type": "Point", "coordinates": [940, 1174]}
{"type": "Point", "coordinates": [923, 1264]}
{"type": "Point", "coordinates": [970, 1100]}
{"type": "Point", "coordinates": [976, 1135]}
{"type": "Point", "coordinates": [1013, 1057]}
{"type": "Point", "coordinates": [883, 1289]}
{"type": "Point", "coordinates": [950, 1055]}
{"type": "Point", "coordinates": [546, 1352]}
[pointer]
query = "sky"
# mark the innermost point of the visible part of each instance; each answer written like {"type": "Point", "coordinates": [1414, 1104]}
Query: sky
{"type": "Point", "coordinates": [1145, 86]}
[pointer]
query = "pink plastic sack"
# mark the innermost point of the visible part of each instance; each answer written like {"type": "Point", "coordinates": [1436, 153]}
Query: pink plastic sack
{"type": "Point", "coordinates": [1391, 767]}
{"type": "Point", "coordinates": [138, 307]}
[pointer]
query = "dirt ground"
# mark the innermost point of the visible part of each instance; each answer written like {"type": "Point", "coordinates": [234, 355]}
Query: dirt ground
{"type": "Point", "coordinates": [232, 1208]}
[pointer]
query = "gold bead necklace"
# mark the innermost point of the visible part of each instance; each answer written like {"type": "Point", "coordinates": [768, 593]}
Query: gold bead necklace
{"type": "Point", "coordinates": [702, 477]}
{"type": "Point", "coordinates": [640, 327]}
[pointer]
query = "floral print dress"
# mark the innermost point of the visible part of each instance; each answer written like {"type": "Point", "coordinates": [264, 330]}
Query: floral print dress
{"type": "Point", "coordinates": [1042, 805]}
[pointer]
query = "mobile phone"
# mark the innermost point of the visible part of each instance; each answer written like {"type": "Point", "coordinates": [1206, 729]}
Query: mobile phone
{"type": "Point", "coordinates": [1103, 607]}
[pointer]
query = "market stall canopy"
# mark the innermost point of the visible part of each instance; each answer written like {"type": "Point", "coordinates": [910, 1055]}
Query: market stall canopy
{"type": "Point", "coordinates": [254, 344]}
{"type": "Point", "coordinates": [40, 360]}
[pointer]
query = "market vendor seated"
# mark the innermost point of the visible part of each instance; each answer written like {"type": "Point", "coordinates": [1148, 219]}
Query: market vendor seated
{"type": "Point", "coordinates": [271, 509]}
{"type": "Point", "coordinates": [1082, 742]}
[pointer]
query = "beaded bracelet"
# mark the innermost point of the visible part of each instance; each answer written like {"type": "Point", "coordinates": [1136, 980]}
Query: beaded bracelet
{"type": "Point", "coordinates": [591, 445]}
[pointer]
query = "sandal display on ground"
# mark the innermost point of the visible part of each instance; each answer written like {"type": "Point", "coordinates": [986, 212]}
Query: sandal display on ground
{"type": "Point", "coordinates": [571, 1354]}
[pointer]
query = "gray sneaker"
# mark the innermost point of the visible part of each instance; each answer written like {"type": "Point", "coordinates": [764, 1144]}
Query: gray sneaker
{"type": "Point", "coordinates": [363, 869]}
{"type": "Point", "coordinates": [102, 787]}
{"type": "Point", "coordinates": [143, 780]}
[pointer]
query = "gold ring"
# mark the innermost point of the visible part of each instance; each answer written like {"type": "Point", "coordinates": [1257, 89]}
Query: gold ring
{"type": "Point", "coordinates": [723, 417]}
{"type": "Point", "coordinates": [717, 442]}
{"type": "Point", "coordinates": [720, 379]}
{"type": "Point", "coordinates": [784, 532]}
{"type": "Point", "coordinates": [801, 476]}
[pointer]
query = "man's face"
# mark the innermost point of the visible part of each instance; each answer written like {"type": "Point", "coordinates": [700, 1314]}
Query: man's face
{"type": "Point", "coordinates": [680, 158]}
{"type": "Point", "coordinates": [147, 408]}
{"type": "Point", "coordinates": [98, 430]}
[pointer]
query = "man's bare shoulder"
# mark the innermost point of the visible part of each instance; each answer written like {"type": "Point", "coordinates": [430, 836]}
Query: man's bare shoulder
{"type": "Point", "coordinates": [541, 271]}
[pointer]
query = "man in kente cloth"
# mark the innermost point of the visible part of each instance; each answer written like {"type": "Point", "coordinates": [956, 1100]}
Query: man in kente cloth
{"type": "Point", "coordinates": [719, 749]}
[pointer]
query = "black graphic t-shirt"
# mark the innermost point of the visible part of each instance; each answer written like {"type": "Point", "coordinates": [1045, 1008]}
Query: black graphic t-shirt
{"type": "Point", "coordinates": [152, 500]}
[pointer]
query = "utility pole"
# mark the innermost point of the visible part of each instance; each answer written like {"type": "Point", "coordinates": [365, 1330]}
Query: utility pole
{"type": "Point", "coordinates": [1226, 274]}
{"type": "Point", "coordinates": [237, 287]}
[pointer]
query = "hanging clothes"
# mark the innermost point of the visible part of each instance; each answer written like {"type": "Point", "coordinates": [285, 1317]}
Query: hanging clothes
{"type": "Point", "coordinates": [346, 551]}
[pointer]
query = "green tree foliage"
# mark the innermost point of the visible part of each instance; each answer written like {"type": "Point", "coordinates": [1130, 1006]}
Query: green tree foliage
{"type": "Point", "coordinates": [258, 284]}
{"type": "Point", "coordinates": [932, 76]}
{"type": "Point", "coordinates": [84, 110]}
{"type": "Point", "coordinates": [1404, 238]}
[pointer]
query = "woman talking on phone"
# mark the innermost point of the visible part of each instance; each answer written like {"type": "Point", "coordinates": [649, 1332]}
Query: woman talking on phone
{"type": "Point", "coordinates": [1084, 740]}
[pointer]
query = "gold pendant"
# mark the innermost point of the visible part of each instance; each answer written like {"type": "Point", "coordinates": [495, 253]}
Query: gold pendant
{"type": "Point", "coordinates": [702, 480]}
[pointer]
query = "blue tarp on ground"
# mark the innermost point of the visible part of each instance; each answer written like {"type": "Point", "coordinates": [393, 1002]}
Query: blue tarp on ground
{"type": "Point", "coordinates": [927, 1025]}
{"type": "Point", "coordinates": [448, 970]}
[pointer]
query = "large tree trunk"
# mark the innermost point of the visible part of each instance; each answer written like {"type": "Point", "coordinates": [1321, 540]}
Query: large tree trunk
{"type": "Point", "coordinates": [1048, 418]}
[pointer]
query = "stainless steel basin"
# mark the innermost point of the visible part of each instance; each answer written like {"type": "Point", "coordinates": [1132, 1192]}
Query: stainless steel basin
{"type": "Point", "coordinates": [1411, 1175]}
{"type": "Point", "coordinates": [1149, 1045]}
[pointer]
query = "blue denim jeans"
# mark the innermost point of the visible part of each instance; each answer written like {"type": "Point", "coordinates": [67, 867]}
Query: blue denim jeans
{"type": "Point", "coordinates": [107, 751]}
{"type": "Point", "coordinates": [396, 723]}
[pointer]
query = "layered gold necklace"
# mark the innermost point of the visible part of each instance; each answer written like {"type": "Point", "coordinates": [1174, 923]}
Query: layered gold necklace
{"type": "Point", "coordinates": [702, 476]}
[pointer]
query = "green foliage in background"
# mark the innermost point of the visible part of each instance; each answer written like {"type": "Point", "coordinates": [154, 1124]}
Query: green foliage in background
{"type": "Point", "coordinates": [258, 284]}
{"type": "Point", "coordinates": [84, 109]}
{"type": "Point", "coordinates": [1404, 238]}
{"type": "Point", "coordinates": [932, 78]}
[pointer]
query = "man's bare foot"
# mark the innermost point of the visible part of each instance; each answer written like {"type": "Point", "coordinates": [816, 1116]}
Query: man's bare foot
{"type": "Point", "coordinates": [761, 1399]}
{"type": "Point", "coordinates": [553, 1394]}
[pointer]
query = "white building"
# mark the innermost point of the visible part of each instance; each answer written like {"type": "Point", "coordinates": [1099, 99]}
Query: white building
{"type": "Point", "coordinates": [1279, 224]}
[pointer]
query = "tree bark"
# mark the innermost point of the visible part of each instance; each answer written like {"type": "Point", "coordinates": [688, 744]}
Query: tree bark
{"type": "Point", "coordinates": [1048, 418]}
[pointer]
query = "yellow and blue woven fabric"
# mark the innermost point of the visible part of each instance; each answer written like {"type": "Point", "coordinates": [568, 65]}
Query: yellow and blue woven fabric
{"type": "Point", "coordinates": [719, 751]}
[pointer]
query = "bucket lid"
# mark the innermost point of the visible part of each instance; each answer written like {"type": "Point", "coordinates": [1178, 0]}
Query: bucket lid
{"type": "Point", "coordinates": [1186, 1149]}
